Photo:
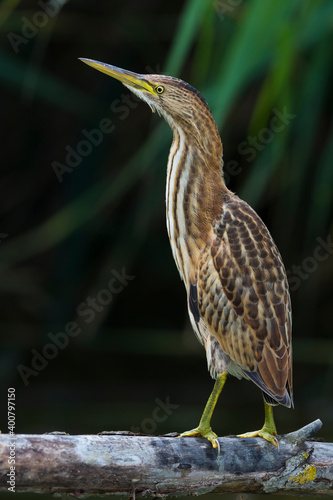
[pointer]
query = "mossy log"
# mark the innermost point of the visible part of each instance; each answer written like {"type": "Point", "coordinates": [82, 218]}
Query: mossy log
{"type": "Point", "coordinates": [137, 465]}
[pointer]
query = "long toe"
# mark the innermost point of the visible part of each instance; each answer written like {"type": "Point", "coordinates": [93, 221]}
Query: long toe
{"type": "Point", "coordinates": [205, 433]}
{"type": "Point", "coordinates": [263, 433]}
{"type": "Point", "coordinates": [192, 433]}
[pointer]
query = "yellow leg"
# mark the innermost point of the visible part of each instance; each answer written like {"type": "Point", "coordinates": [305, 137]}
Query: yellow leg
{"type": "Point", "coordinates": [204, 429]}
{"type": "Point", "coordinates": [268, 431]}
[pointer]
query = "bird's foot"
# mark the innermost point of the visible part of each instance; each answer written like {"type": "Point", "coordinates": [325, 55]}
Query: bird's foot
{"type": "Point", "coordinates": [264, 433]}
{"type": "Point", "coordinates": [205, 432]}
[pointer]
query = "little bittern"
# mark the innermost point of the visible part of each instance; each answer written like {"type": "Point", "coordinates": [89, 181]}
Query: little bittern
{"type": "Point", "coordinates": [237, 289]}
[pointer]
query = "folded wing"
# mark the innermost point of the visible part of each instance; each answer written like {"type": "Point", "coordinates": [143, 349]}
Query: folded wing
{"type": "Point", "coordinates": [243, 297]}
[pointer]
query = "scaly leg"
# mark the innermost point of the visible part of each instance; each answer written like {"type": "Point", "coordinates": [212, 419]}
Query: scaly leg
{"type": "Point", "coordinates": [204, 429]}
{"type": "Point", "coordinates": [268, 431]}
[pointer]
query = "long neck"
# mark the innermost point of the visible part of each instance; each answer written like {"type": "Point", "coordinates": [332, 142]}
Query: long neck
{"type": "Point", "coordinates": [194, 195]}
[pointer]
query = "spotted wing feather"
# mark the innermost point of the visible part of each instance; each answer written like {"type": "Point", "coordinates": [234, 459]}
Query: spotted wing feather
{"type": "Point", "coordinates": [243, 297]}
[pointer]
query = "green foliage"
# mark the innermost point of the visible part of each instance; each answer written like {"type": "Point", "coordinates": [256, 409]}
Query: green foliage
{"type": "Point", "coordinates": [281, 48]}
{"type": "Point", "coordinates": [264, 67]}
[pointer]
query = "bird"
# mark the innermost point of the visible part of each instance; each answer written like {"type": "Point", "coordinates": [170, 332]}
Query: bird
{"type": "Point", "coordinates": [238, 297]}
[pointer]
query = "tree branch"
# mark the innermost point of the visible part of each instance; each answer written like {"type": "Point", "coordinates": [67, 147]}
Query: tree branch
{"type": "Point", "coordinates": [114, 463]}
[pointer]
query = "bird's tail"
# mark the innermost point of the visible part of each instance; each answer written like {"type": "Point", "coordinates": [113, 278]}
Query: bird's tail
{"type": "Point", "coordinates": [270, 397]}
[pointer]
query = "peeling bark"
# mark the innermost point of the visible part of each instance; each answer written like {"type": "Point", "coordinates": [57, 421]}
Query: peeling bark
{"type": "Point", "coordinates": [115, 463]}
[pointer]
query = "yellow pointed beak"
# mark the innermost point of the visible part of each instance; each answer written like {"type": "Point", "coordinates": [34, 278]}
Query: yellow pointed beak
{"type": "Point", "coordinates": [127, 77]}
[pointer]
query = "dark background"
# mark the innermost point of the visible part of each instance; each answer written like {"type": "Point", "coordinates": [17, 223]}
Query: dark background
{"type": "Point", "coordinates": [64, 233]}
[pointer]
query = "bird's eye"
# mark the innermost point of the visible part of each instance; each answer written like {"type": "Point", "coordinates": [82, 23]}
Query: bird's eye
{"type": "Point", "coordinates": [159, 89]}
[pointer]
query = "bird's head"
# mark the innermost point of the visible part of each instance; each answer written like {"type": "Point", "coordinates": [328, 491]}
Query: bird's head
{"type": "Point", "coordinates": [177, 101]}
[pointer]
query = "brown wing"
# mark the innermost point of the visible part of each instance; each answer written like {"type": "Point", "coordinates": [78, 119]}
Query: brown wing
{"type": "Point", "coordinates": [244, 298]}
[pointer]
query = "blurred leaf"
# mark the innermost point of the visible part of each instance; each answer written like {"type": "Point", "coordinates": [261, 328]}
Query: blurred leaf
{"type": "Point", "coordinates": [309, 104]}
{"type": "Point", "coordinates": [278, 81]}
{"type": "Point", "coordinates": [263, 170]}
{"type": "Point", "coordinates": [13, 72]}
{"type": "Point", "coordinates": [322, 193]}
{"type": "Point", "coordinates": [187, 29]}
{"type": "Point", "coordinates": [202, 60]}
{"type": "Point", "coordinates": [7, 7]}
{"type": "Point", "coordinates": [84, 207]}
{"type": "Point", "coordinates": [247, 54]}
